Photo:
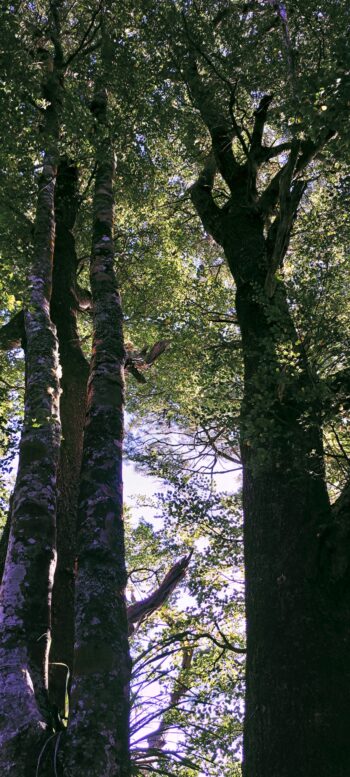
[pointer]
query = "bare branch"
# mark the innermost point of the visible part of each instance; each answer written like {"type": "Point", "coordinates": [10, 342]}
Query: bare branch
{"type": "Point", "coordinates": [140, 610]}
{"type": "Point", "coordinates": [138, 361]}
{"type": "Point", "coordinates": [156, 351]}
{"type": "Point", "coordinates": [86, 40]}
{"type": "Point", "coordinates": [270, 152]}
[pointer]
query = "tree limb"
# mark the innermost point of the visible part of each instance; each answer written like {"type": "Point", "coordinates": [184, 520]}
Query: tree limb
{"type": "Point", "coordinates": [220, 129]}
{"type": "Point", "coordinates": [238, 130]}
{"type": "Point", "coordinates": [202, 198]}
{"type": "Point", "coordinates": [259, 123]}
{"type": "Point", "coordinates": [255, 155]}
{"type": "Point", "coordinates": [309, 150]}
{"type": "Point", "coordinates": [138, 361]}
{"type": "Point", "coordinates": [156, 351]}
{"type": "Point", "coordinates": [138, 611]}
{"type": "Point", "coordinates": [12, 334]}
{"type": "Point", "coordinates": [290, 195]}
{"type": "Point", "coordinates": [270, 152]}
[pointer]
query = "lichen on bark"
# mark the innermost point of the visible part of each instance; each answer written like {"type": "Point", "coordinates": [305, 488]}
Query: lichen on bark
{"type": "Point", "coordinates": [98, 735]}
{"type": "Point", "coordinates": [31, 557]}
{"type": "Point", "coordinates": [27, 583]}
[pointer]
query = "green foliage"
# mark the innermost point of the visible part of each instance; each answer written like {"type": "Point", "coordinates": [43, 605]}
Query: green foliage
{"type": "Point", "coordinates": [175, 286]}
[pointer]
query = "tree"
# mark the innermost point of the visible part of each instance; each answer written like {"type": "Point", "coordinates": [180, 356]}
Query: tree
{"type": "Point", "coordinates": [297, 620]}
{"type": "Point", "coordinates": [31, 556]}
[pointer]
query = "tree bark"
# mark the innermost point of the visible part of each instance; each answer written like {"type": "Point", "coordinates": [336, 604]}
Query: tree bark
{"type": "Point", "coordinates": [98, 734]}
{"type": "Point", "coordinates": [298, 673]}
{"type": "Point", "coordinates": [31, 556]}
{"type": "Point", "coordinates": [27, 583]}
{"type": "Point", "coordinates": [297, 677]}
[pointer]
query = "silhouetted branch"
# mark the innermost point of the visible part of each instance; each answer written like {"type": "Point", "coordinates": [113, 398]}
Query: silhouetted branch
{"type": "Point", "coordinates": [85, 41]}
{"type": "Point", "coordinates": [140, 610]}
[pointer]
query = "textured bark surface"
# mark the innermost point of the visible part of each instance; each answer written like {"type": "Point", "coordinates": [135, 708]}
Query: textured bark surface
{"type": "Point", "coordinates": [138, 611]}
{"type": "Point", "coordinates": [298, 678]}
{"type": "Point", "coordinates": [26, 590]}
{"type": "Point", "coordinates": [98, 735]}
{"type": "Point", "coordinates": [31, 557]}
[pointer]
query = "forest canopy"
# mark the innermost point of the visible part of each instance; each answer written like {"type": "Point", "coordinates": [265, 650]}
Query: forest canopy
{"type": "Point", "coordinates": [174, 230]}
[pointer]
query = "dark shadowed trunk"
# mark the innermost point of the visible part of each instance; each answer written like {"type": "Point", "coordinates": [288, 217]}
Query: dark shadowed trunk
{"type": "Point", "coordinates": [298, 638]}
{"type": "Point", "coordinates": [298, 679]}
{"type": "Point", "coordinates": [75, 368]}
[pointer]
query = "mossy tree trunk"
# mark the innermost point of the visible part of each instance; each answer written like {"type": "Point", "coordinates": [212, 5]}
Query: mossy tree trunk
{"type": "Point", "coordinates": [66, 476]}
{"type": "Point", "coordinates": [98, 735]}
{"type": "Point", "coordinates": [27, 583]}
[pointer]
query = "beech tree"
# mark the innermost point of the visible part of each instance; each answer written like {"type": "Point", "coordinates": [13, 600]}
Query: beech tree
{"type": "Point", "coordinates": [31, 555]}
{"type": "Point", "coordinates": [296, 606]}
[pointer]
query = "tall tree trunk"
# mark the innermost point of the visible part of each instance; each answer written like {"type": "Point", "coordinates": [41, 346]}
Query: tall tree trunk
{"type": "Point", "coordinates": [298, 678]}
{"type": "Point", "coordinates": [298, 638]}
{"type": "Point", "coordinates": [298, 641]}
{"type": "Point", "coordinates": [75, 371]}
{"type": "Point", "coordinates": [98, 735]}
{"type": "Point", "coordinates": [27, 583]}
{"type": "Point", "coordinates": [31, 557]}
